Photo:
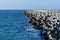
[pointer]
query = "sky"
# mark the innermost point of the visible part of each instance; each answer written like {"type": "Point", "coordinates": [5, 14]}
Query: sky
{"type": "Point", "coordinates": [29, 4]}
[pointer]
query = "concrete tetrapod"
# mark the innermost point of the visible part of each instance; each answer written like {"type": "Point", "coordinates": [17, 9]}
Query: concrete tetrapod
{"type": "Point", "coordinates": [46, 20]}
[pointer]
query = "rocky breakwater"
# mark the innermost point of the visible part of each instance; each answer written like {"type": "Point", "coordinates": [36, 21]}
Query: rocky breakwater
{"type": "Point", "coordinates": [46, 20]}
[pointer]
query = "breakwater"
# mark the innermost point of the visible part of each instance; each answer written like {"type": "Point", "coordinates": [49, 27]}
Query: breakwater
{"type": "Point", "coordinates": [46, 20]}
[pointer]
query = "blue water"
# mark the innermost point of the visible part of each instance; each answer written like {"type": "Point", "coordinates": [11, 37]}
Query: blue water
{"type": "Point", "coordinates": [14, 26]}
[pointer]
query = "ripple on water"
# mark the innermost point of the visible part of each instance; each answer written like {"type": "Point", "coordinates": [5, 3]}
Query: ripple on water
{"type": "Point", "coordinates": [16, 28]}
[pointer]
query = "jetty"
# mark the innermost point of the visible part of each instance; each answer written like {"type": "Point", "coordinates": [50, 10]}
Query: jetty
{"type": "Point", "coordinates": [46, 20]}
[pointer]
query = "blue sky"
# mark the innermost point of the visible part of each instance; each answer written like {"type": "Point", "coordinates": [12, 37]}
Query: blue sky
{"type": "Point", "coordinates": [29, 4]}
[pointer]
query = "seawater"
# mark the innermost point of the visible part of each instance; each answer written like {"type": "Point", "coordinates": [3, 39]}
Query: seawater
{"type": "Point", "coordinates": [14, 26]}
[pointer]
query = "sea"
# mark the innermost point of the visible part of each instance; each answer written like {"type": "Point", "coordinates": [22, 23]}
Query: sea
{"type": "Point", "coordinates": [14, 26]}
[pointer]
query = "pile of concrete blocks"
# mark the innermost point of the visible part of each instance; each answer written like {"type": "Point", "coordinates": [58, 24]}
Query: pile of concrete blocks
{"type": "Point", "coordinates": [46, 20]}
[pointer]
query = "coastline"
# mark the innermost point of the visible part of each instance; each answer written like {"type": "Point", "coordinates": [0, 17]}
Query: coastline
{"type": "Point", "coordinates": [44, 20]}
